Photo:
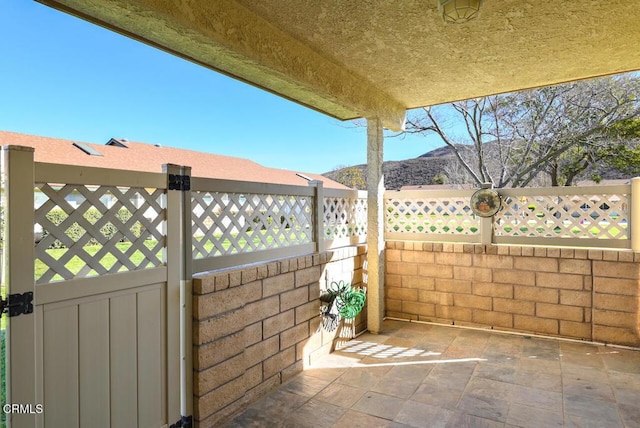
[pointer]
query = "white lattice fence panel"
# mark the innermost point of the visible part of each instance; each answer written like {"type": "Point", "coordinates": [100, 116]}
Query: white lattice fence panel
{"type": "Point", "coordinates": [344, 217]}
{"type": "Point", "coordinates": [603, 216]}
{"type": "Point", "coordinates": [97, 230]}
{"type": "Point", "coordinates": [434, 215]}
{"type": "Point", "coordinates": [233, 223]}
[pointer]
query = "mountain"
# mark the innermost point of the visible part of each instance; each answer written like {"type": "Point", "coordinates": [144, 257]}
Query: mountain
{"type": "Point", "coordinates": [439, 152]}
{"type": "Point", "coordinates": [429, 168]}
{"type": "Point", "coordinates": [409, 172]}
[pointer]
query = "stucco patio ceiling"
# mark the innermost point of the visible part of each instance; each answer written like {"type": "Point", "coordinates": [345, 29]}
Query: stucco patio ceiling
{"type": "Point", "coordinates": [370, 58]}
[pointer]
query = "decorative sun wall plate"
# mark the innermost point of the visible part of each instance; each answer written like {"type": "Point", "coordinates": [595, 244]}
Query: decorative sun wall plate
{"type": "Point", "coordinates": [485, 202]}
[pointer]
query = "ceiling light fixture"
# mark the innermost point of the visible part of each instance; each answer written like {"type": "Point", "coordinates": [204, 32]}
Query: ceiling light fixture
{"type": "Point", "coordinates": [459, 11]}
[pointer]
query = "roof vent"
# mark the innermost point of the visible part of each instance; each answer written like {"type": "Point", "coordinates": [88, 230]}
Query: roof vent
{"type": "Point", "coordinates": [118, 142]}
{"type": "Point", "coordinates": [88, 149]}
{"type": "Point", "coordinates": [157, 145]}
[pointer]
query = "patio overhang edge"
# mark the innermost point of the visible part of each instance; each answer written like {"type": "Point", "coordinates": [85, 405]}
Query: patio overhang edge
{"type": "Point", "coordinates": [228, 38]}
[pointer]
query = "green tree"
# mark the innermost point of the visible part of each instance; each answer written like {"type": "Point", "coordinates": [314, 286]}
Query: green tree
{"type": "Point", "coordinates": [440, 179]}
{"type": "Point", "coordinates": [351, 176]}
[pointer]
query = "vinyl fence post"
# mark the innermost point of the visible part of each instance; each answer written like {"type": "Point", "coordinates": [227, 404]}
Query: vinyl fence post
{"type": "Point", "coordinates": [179, 290]}
{"type": "Point", "coordinates": [186, 300]}
{"type": "Point", "coordinates": [318, 215]}
{"type": "Point", "coordinates": [634, 214]}
{"type": "Point", "coordinates": [19, 255]}
{"type": "Point", "coordinates": [486, 224]}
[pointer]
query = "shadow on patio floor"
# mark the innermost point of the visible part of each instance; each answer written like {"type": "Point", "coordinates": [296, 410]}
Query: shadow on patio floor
{"type": "Point", "coordinates": [418, 375]}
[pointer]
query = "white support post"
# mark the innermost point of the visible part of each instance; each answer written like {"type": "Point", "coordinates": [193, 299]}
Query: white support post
{"type": "Point", "coordinates": [19, 260]}
{"type": "Point", "coordinates": [375, 226]}
{"type": "Point", "coordinates": [318, 215]}
{"type": "Point", "coordinates": [634, 214]}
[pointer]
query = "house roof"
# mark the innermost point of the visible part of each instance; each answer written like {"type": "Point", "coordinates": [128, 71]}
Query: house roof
{"type": "Point", "coordinates": [135, 156]}
{"type": "Point", "coordinates": [378, 58]}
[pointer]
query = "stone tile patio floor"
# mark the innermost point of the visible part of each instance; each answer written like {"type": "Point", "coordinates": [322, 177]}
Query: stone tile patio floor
{"type": "Point", "coordinates": [423, 375]}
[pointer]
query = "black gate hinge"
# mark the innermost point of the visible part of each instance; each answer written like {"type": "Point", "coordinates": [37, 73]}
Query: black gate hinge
{"type": "Point", "coordinates": [184, 422]}
{"type": "Point", "coordinates": [17, 304]}
{"type": "Point", "coordinates": [179, 182]}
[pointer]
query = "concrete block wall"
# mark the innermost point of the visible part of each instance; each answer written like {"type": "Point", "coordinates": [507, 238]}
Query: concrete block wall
{"type": "Point", "coordinates": [255, 327]}
{"type": "Point", "coordinates": [569, 292]}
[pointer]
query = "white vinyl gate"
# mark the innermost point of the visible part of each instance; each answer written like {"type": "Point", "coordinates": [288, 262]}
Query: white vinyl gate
{"type": "Point", "coordinates": [100, 335]}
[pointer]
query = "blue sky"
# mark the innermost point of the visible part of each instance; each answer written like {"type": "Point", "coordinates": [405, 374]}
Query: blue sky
{"type": "Point", "coordinates": [65, 78]}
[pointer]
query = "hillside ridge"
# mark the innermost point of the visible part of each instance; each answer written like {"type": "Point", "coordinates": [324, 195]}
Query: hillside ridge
{"type": "Point", "coordinates": [430, 168]}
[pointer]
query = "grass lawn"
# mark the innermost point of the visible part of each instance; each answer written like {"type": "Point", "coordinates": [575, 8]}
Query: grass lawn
{"type": "Point", "coordinates": [76, 263]}
{"type": "Point", "coordinates": [3, 318]}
